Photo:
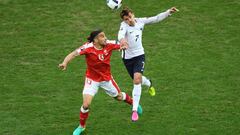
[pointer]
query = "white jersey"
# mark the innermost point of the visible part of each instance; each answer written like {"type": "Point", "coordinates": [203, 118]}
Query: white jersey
{"type": "Point", "coordinates": [133, 34]}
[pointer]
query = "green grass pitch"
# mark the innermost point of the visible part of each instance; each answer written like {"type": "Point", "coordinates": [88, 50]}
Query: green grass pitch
{"type": "Point", "coordinates": [193, 57]}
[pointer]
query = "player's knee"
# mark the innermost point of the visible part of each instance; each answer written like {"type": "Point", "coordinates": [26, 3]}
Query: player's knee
{"type": "Point", "coordinates": [137, 80]}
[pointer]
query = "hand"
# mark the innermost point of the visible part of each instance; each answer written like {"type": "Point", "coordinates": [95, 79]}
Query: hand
{"type": "Point", "coordinates": [63, 66]}
{"type": "Point", "coordinates": [173, 10]}
{"type": "Point", "coordinates": [123, 44]}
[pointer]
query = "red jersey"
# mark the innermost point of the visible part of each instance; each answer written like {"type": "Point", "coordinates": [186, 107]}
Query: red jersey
{"type": "Point", "coordinates": [98, 61]}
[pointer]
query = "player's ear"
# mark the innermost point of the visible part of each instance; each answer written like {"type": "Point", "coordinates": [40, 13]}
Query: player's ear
{"type": "Point", "coordinates": [95, 40]}
{"type": "Point", "coordinates": [132, 15]}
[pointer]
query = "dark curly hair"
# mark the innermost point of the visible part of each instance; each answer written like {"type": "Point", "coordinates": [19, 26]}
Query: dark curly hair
{"type": "Point", "coordinates": [93, 34]}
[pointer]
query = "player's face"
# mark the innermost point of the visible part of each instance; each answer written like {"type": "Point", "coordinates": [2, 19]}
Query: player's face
{"type": "Point", "coordinates": [101, 39]}
{"type": "Point", "coordinates": [129, 19]}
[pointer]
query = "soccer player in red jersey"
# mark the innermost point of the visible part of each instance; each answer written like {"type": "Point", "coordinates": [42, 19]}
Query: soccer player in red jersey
{"type": "Point", "coordinates": [97, 51]}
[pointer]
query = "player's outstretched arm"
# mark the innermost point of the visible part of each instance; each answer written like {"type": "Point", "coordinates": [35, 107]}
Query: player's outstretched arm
{"type": "Point", "coordinates": [67, 59]}
{"type": "Point", "coordinates": [159, 17]}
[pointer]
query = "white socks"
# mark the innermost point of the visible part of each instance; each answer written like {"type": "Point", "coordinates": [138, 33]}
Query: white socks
{"type": "Point", "coordinates": [137, 90]}
{"type": "Point", "coordinates": [123, 96]}
{"type": "Point", "coordinates": [136, 94]}
{"type": "Point", "coordinates": [83, 110]}
{"type": "Point", "coordinates": [145, 81]}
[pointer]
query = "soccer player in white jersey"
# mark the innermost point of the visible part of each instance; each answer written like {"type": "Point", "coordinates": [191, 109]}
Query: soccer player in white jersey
{"type": "Point", "coordinates": [130, 33]}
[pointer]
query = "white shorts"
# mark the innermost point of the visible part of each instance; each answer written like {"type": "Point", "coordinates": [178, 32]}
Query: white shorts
{"type": "Point", "coordinates": [91, 87]}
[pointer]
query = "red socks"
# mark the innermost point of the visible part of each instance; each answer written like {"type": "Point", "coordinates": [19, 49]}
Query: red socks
{"type": "Point", "coordinates": [83, 116]}
{"type": "Point", "coordinates": [128, 99]}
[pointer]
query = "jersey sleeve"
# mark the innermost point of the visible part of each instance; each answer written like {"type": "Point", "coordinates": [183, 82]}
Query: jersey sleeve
{"type": "Point", "coordinates": [82, 50]}
{"type": "Point", "coordinates": [113, 44]}
{"type": "Point", "coordinates": [155, 19]}
{"type": "Point", "coordinates": [122, 31]}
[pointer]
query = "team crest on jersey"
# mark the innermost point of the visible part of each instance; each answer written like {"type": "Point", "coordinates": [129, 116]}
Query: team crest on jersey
{"type": "Point", "coordinates": [101, 57]}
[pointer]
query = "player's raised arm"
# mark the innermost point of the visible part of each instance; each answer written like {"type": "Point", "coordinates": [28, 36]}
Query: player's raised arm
{"type": "Point", "coordinates": [159, 17]}
{"type": "Point", "coordinates": [67, 59]}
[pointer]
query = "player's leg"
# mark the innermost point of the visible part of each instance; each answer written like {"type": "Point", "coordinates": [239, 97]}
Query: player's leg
{"type": "Point", "coordinates": [136, 93]}
{"type": "Point", "coordinates": [131, 65]}
{"type": "Point", "coordinates": [138, 69]}
{"type": "Point", "coordinates": [112, 89]}
{"type": "Point", "coordinates": [145, 81]}
{"type": "Point", "coordinates": [90, 89]}
{"type": "Point", "coordinates": [83, 115]}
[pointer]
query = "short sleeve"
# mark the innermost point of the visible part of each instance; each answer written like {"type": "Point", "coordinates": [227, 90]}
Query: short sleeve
{"type": "Point", "coordinates": [82, 49]}
{"type": "Point", "coordinates": [122, 31]}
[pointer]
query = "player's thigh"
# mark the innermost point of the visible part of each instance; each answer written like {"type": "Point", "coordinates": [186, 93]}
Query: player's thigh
{"type": "Point", "coordinates": [138, 68]}
{"type": "Point", "coordinates": [111, 88]}
{"type": "Point", "coordinates": [90, 87]}
{"type": "Point", "coordinates": [129, 64]}
{"type": "Point", "coordinates": [139, 64]}
{"type": "Point", "coordinates": [137, 78]}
